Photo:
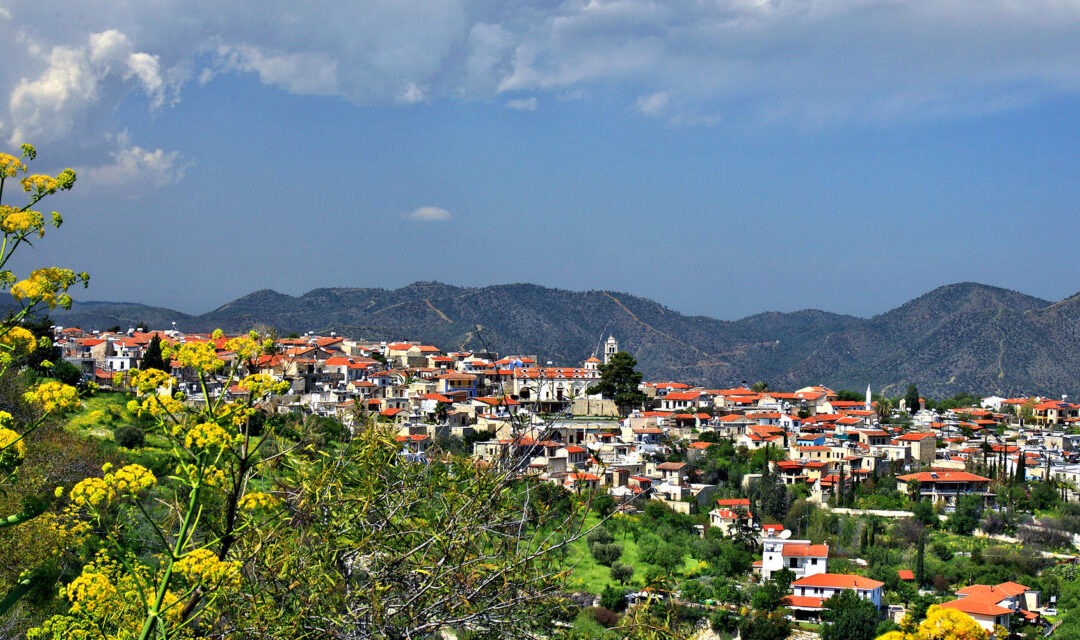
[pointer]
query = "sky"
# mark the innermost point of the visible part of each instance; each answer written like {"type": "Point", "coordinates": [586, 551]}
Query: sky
{"type": "Point", "coordinates": [722, 157]}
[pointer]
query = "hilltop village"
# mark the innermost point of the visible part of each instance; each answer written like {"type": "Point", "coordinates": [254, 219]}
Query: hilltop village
{"type": "Point", "coordinates": [815, 444]}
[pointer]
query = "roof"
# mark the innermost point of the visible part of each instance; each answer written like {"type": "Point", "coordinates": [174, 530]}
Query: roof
{"type": "Point", "coordinates": [798, 550]}
{"type": "Point", "coordinates": [733, 502]}
{"type": "Point", "coordinates": [804, 602]}
{"type": "Point", "coordinates": [838, 581]}
{"type": "Point", "coordinates": [993, 592]}
{"type": "Point", "coordinates": [684, 395]}
{"type": "Point", "coordinates": [905, 574]}
{"type": "Point", "coordinates": [942, 476]}
{"type": "Point", "coordinates": [915, 436]}
{"type": "Point", "coordinates": [670, 466]}
{"type": "Point", "coordinates": [976, 607]}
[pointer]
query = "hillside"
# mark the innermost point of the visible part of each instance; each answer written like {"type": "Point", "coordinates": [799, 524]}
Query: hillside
{"type": "Point", "coordinates": [960, 337]}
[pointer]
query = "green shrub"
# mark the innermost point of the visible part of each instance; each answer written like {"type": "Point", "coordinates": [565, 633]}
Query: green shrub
{"type": "Point", "coordinates": [129, 436]}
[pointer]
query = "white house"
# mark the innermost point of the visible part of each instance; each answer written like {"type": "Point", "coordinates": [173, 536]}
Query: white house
{"type": "Point", "coordinates": [811, 592]}
{"type": "Point", "coordinates": [799, 556]}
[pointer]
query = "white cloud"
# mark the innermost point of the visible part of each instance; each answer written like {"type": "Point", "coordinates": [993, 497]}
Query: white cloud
{"type": "Point", "coordinates": [804, 60]}
{"type": "Point", "coordinates": [134, 168]}
{"type": "Point", "coordinates": [654, 104]}
{"type": "Point", "coordinates": [73, 81]}
{"type": "Point", "coordinates": [300, 72]}
{"type": "Point", "coordinates": [429, 214]}
{"type": "Point", "coordinates": [411, 94]}
{"type": "Point", "coordinates": [522, 104]}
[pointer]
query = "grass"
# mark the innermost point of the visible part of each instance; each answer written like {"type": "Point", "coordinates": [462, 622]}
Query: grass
{"type": "Point", "coordinates": [100, 414]}
{"type": "Point", "coordinates": [586, 574]}
{"type": "Point", "coordinates": [589, 575]}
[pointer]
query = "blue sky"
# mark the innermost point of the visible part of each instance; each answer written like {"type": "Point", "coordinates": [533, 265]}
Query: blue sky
{"type": "Point", "coordinates": [723, 158]}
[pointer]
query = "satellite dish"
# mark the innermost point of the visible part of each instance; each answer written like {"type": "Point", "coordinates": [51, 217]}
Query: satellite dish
{"type": "Point", "coordinates": [785, 534]}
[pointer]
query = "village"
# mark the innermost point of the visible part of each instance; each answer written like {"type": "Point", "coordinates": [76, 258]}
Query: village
{"type": "Point", "coordinates": [819, 446]}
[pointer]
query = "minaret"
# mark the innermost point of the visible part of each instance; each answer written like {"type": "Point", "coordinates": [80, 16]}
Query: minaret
{"type": "Point", "coordinates": [869, 400]}
{"type": "Point", "coordinates": [611, 347]}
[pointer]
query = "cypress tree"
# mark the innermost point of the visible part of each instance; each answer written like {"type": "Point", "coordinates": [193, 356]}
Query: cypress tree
{"type": "Point", "coordinates": [152, 358]}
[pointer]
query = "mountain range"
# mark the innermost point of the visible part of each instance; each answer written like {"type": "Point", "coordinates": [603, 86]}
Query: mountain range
{"type": "Point", "coordinates": [963, 337]}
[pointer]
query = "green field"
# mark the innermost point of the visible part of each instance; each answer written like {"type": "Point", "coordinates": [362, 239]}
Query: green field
{"type": "Point", "coordinates": [101, 413]}
{"type": "Point", "coordinates": [586, 574]}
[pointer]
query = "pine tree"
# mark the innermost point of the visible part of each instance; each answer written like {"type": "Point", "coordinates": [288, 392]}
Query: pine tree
{"type": "Point", "coordinates": [152, 358]}
{"type": "Point", "coordinates": [911, 399]}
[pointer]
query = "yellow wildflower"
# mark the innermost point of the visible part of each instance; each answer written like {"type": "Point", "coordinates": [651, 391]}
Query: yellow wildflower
{"type": "Point", "coordinates": [91, 591]}
{"type": "Point", "coordinates": [40, 184]}
{"type": "Point", "coordinates": [18, 340]}
{"type": "Point", "coordinates": [255, 500]}
{"type": "Point", "coordinates": [53, 397]}
{"type": "Point", "coordinates": [131, 479]}
{"type": "Point", "coordinates": [156, 405]}
{"type": "Point", "coordinates": [218, 334]}
{"type": "Point", "coordinates": [19, 221]}
{"type": "Point", "coordinates": [62, 627]}
{"type": "Point", "coordinates": [207, 436]}
{"type": "Point", "coordinates": [12, 450]}
{"type": "Point", "coordinates": [259, 384]}
{"type": "Point", "coordinates": [237, 413]}
{"type": "Point", "coordinates": [199, 355]}
{"type": "Point", "coordinates": [150, 380]}
{"type": "Point", "coordinates": [92, 492]}
{"type": "Point", "coordinates": [245, 347]}
{"type": "Point", "coordinates": [203, 567]}
{"type": "Point", "coordinates": [48, 285]}
{"type": "Point", "coordinates": [10, 166]}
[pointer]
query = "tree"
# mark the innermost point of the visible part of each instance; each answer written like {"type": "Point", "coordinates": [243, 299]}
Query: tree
{"type": "Point", "coordinates": [848, 617]}
{"type": "Point", "coordinates": [665, 554]}
{"type": "Point", "coordinates": [764, 626]}
{"type": "Point", "coordinates": [613, 598]}
{"type": "Point", "coordinates": [604, 505]}
{"type": "Point", "coordinates": [883, 409]}
{"type": "Point", "coordinates": [969, 509]}
{"type": "Point", "coordinates": [43, 287]}
{"type": "Point", "coordinates": [770, 495]}
{"type": "Point", "coordinates": [390, 549]}
{"type": "Point", "coordinates": [770, 595]}
{"type": "Point", "coordinates": [622, 572]}
{"type": "Point", "coordinates": [912, 400]}
{"type": "Point", "coordinates": [619, 382]}
{"type": "Point", "coordinates": [940, 624]}
{"type": "Point", "coordinates": [605, 554]}
{"type": "Point", "coordinates": [1021, 468]}
{"type": "Point", "coordinates": [152, 358]}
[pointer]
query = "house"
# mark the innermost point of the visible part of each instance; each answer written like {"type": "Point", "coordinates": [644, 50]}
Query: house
{"type": "Point", "coordinates": [730, 515]}
{"type": "Point", "coordinates": [811, 592]}
{"type": "Point", "coordinates": [798, 556]}
{"type": "Point", "coordinates": [923, 446]}
{"type": "Point", "coordinates": [455, 381]}
{"type": "Point", "coordinates": [994, 605]}
{"type": "Point", "coordinates": [945, 486]}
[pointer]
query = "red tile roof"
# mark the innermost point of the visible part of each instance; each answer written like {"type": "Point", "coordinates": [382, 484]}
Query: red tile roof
{"type": "Point", "coordinates": [799, 550]}
{"type": "Point", "coordinates": [925, 477]}
{"type": "Point", "coordinates": [976, 607]}
{"type": "Point", "coordinates": [838, 581]}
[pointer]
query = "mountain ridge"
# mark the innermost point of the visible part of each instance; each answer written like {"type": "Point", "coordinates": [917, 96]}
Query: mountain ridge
{"type": "Point", "coordinates": [956, 338]}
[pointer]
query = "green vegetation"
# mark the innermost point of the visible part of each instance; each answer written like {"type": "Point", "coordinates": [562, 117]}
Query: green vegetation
{"type": "Point", "coordinates": [619, 382]}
